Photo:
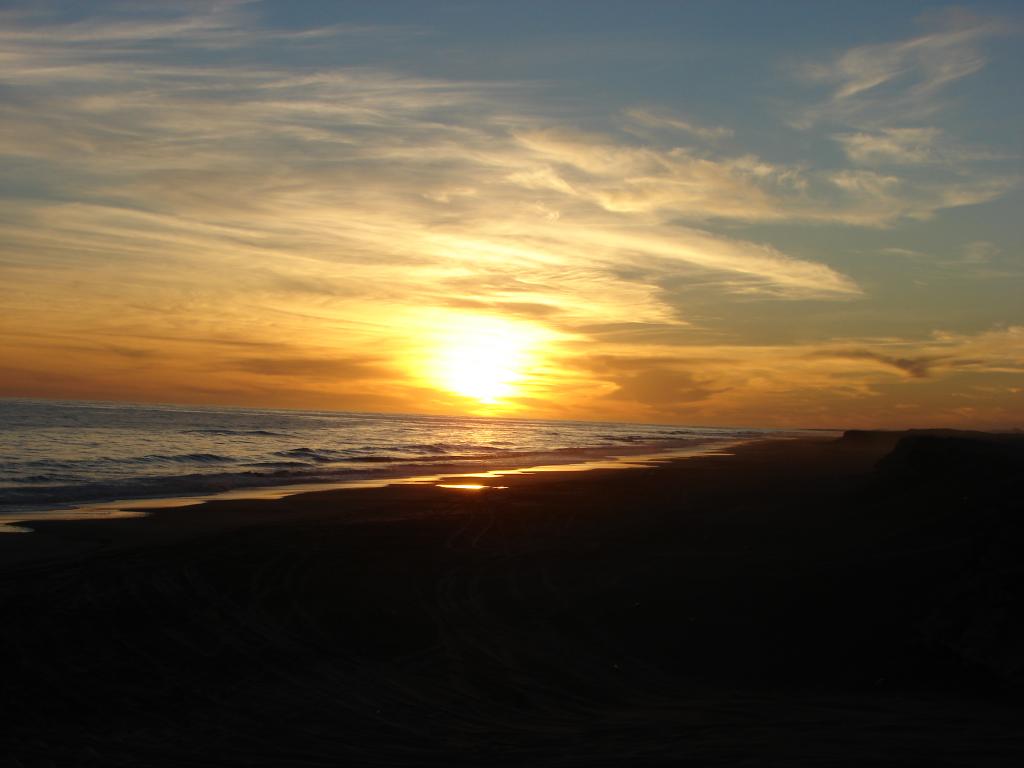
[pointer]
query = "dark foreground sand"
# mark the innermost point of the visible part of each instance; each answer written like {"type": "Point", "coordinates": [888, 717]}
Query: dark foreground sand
{"type": "Point", "coordinates": [794, 604]}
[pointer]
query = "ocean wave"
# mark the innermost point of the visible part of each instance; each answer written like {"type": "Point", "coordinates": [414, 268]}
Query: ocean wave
{"type": "Point", "coordinates": [434, 459]}
{"type": "Point", "coordinates": [179, 458]}
{"type": "Point", "coordinates": [39, 479]}
{"type": "Point", "coordinates": [277, 464]}
{"type": "Point", "coordinates": [438, 448]}
{"type": "Point", "coordinates": [377, 459]}
{"type": "Point", "coordinates": [316, 455]}
{"type": "Point", "coordinates": [235, 432]}
{"type": "Point", "coordinates": [92, 462]}
{"type": "Point", "coordinates": [393, 453]}
{"type": "Point", "coordinates": [8, 466]}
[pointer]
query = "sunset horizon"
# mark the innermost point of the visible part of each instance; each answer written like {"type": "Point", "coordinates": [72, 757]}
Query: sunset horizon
{"type": "Point", "coordinates": [550, 383]}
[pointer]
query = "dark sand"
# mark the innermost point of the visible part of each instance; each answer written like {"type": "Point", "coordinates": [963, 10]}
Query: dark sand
{"type": "Point", "coordinates": [794, 604]}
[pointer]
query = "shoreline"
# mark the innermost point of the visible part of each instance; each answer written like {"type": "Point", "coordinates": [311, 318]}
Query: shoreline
{"type": "Point", "coordinates": [623, 458]}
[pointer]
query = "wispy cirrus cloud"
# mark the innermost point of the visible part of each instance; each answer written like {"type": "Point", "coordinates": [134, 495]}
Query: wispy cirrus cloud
{"type": "Point", "coordinates": [660, 119]}
{"type": "Point", "coordinates": [871, 84]}
{"type": "Point", "coordinates": [688, 183]}
{"type": "Point", "coordinates": [916, 146]}
{"type": "Point", "coordinates": [404, 186]}
{"type": "Point", "coordinates": [880, 107]}
{"type": "Point", "coordinates": [902, 146]}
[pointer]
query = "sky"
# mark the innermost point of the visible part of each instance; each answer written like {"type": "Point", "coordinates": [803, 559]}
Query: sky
{"type": "Point", "coordinates": [795, 214]}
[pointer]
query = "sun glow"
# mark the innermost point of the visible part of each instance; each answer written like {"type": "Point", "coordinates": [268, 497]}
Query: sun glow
{"type": "Point", "coordinates": [487, 364]}
{"type": "Point", "coordinates": [489, 360]}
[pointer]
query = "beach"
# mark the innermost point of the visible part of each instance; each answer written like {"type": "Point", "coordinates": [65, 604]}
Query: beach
{"type": "Point", "coordinates": [460, 384]}
{"type": "Point", "coordinates": [812, 601]}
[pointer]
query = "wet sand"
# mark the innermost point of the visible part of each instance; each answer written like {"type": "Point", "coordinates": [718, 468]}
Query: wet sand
{"type": "Point", "coordinates": [805, 602]}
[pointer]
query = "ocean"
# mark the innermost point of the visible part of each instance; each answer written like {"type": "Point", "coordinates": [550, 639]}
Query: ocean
{"type": "Point", "coordinates": [63, 454]}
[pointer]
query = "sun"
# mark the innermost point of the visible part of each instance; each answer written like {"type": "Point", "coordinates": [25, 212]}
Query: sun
{"type": "Point", "coordinates": [487, 359]}
{"type": "Point", "coordinates": [484, 364]}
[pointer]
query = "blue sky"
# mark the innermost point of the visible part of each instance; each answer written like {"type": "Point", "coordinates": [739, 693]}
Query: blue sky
{"type": "Point", "coordinates": [705, 212]}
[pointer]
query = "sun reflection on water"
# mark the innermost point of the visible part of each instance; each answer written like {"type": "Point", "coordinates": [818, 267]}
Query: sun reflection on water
{"type": "Point", "coordinates": [472, 486]}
